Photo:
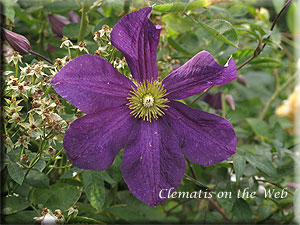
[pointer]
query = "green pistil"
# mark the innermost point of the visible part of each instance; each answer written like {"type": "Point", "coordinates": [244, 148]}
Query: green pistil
{"type": "Point", "coordinates": [147, 100]}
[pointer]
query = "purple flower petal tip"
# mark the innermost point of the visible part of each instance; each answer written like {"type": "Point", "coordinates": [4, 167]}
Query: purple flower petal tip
{"type": "Point", "coordinates": [198, 74]}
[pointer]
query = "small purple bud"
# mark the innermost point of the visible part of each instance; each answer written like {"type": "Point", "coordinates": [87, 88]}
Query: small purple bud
{"type": "Point", "coordinates": [230, 101]}
{"type": "Point", "coordinates": [57, 23]}
{"type": "Point", "coordinates": [18, 42]}
{"type": "Point", "coordinates": [74, 18]}
{"type": "Point", "coordinates": [242, 80]}
{"type": "Point", "coordinates": [214, 100]}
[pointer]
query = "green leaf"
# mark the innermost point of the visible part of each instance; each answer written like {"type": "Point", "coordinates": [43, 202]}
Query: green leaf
{"type": "Point", "coordinates": [259, 126]}
{"type": "Point", "coordinates": [94, 187]}
{"type": "Point", "coordinates": [71, 30]}
{"type": "Point", "coordinates": [176, 24]}
{"type": "Point", "coordinates": [177, 47]}
{"type": "Point", "coordinates": [221, 30]}
{"type": "Point", "coordinates": [262, 163]}
{"type": "Point", "coordinates": [239, 164]}
{"type": "Point", "coordinates": [291, 18]}
{"type": "Point", "coordinates": [13, 204]}
{"type": "Point", "coordinates": [40, 195]}
{"type": "Point", "coordinates": [9, 11]}
{"type": "Point", "coordinates": [267, 61]}
{"type": "Point", "coordinates": [37, 179]}
{"type": "Point", "coordinates": [84, 220]}
{"type": "Point", "coordinates": [62, 196]}
{"type": "Point", "coordinates": [203, 3]}
{"type": "Point", "coordinates": [22, 217]}
{"type": "Point", "coordinates": [242, 210]}
{"type": "Point", "coordinates": [71, 173]}
{"type": "Point", "coordinates": [61, 6]}
{"type": "Point", "coordinates": [170, 7]}
{"type": "Point", "coordinates": [16, 172]}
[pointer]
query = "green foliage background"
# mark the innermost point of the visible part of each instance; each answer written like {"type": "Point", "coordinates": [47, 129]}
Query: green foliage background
{"type": "Point", "coordinates": [264, 158]}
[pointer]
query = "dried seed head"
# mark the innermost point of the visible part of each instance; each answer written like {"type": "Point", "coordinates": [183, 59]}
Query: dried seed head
{"type": "Point", "coordinates": [64, 38]}
{"type": "Point", "coordinates": [4, 136]}
{"type": "Point", "coordinates": [58, 62]}
{"type": "Point", "coordinates": [82, 44]}
{"type": "Point", "coordinates": [20, 87]}
{"type": "Point", "coordinates": [15, 53]}
{"type": "Point", "coordinates": [35, 105]}
{"type": "Point", "coordinates": [32, 126]}
{"type": "Point", "coordinates": [24, 158]}
{"type": "Point", "coordinates": [15, 83]}
{"type": "Point", "coordinates": [105, 27]}
{"type": "Point", "coordinates": [97, 52]}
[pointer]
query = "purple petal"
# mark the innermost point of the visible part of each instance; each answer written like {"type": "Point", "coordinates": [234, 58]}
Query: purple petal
{"type": "Point", "coordinates": [74, 18]}
{"type": "Point", "coordinates": [204, 138]}
{"type": "Point", "coordinates": [91, 84]}
{"type": "Point", "coordinates": [18, 42]}
{"type": "Point", "coordinates": [93, 141]}
{"type": "Point", "coordinates": [137, 38]}
{"type": "Point", "coordinates": [152, 162]}
{"type": "Point", "coordinates": [214, 100]}
{"type": "Point", "coordinates": [199, 73]}
{"type": "Point", "coordinates": [57, 23]}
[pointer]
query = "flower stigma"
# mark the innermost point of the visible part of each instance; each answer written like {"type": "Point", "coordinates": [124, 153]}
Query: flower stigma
{"type": "Point", "coordinates": [147, 100]}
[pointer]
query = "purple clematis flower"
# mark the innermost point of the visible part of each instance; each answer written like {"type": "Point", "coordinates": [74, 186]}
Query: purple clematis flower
{"type": "Point", "coordinates": [143, 116]}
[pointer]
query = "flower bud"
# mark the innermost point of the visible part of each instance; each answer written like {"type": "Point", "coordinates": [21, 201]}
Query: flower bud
{"type": "Point", "coordinates": [74, 18]}
{"type": "Point", "coordinates": [230, 101]}
{"type": "Point", "coordinates": [242, 80]}
{"type": "Point", "coordinates": [18, 42]}
{"type": "Point", "coordinates": [57, 23]}
{"type": "Point", "coordinates": [214, 100]}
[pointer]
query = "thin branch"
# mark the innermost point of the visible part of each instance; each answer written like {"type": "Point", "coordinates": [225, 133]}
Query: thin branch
{"type": "Point", "coordinates": [174, 207]}
{"type": "Point", "coordinates": [196, 182]}
{"type": "Point", "coordinates": [41, 56]}
{"type": "Point", "coordinates": [294, 145]}
{"type": "Point", "coordinates": [260, 46]}
{"type": "Point", "coordinates": [196, 99]}
{"type": "Point", "coordinates": [219, 209]}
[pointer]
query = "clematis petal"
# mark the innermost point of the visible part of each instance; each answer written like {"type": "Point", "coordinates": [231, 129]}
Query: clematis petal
{"type": "Point", "coordinates": [137, 38]}
{"type": "Point", "coordinates": [91, 84]}
{"type": "Point", "coordinates": [152, 162]}
{"type": "Point", "coordinates": [93, 141]}
{"type": "Point", "coordinates": [199, 73]}
{"type": "Point", "coordinates": [204, 138]}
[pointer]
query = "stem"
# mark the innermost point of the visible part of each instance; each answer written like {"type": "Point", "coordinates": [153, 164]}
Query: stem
{"type": "Point", "coordinates": [277, 185]}
{"type": "Point", "coordinates": [219, 209]}
{"type": "Point", "coordinates": [17, 69]}
{"type": "Point", "coordinates": [196, 182]}
{"type": "Point", "coordinates": [174, 207]}
{"type": "Point", "coordinates": [196, 99]}
{"type": "Point", "coordinates": [223, 105]}
{"type": "Point", "coordinates": [41, 56]}
{"type": "Point", "coordinates": [192, 169]}
{"type": "Point", "coordinates": [274, 96]}
{"type": "Point", "coordinates": [126, 6]}
{"type": "Point", "coordinates": [84, 20]}
{"type": "Point", "coordinates": [261, 47]}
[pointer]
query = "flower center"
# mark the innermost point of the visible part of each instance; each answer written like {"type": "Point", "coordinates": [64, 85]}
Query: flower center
{"type": "Point", "coordinates": [147, 100]}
